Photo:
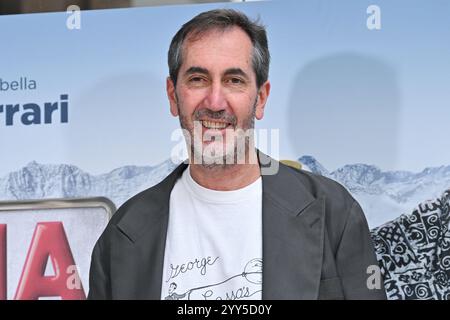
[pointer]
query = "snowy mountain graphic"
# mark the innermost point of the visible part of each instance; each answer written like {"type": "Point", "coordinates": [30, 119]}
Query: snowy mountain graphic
{"type": "Point", "coordinates": [45, 181]}
{"type": "Point", "coordinates": [383, 195]}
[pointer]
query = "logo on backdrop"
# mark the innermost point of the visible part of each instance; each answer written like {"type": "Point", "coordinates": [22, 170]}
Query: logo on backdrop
{"type": "Point", "coordinates": [28, 112]}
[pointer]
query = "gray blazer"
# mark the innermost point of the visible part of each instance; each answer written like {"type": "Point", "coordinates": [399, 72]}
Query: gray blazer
{"type": "Point", "coordinates": [316, 242]}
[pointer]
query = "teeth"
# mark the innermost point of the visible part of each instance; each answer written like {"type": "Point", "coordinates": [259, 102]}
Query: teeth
{"type": "Point", "coordinates": [214, 125]}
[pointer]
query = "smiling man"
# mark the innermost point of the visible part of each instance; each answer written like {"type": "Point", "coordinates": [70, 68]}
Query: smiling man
{"type": "Point", "coordinates": [220, 226]}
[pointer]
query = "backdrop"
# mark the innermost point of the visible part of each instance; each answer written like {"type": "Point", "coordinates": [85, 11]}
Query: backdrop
{"type": "Point", "coordinates": [360, 93]}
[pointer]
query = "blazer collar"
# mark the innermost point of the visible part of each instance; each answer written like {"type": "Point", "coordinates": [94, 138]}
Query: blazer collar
{"type": "Point", "coordinates": [150, 206]}
{"type": "Point", "coordinates": [282, 186]}
{"type": "Point", "coordinates": [293, 236]}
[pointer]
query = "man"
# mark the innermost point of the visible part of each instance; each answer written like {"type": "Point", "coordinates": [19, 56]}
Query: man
{"type": "Point", "coordinates": [232, 223]}
{"type": "Point", "coordinates": [172, 294]}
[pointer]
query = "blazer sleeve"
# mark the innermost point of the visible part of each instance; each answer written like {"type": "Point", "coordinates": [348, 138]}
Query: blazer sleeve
{"type": "Point", "coordinates": [99, 281]}
{"type": "Point", "coordinates": [355, 254]}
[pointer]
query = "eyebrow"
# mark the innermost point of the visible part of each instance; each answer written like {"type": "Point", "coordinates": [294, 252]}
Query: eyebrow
{"type": "Point", "coordinates": [237, 72]}
{"type": "Point", "coordinates": [192, 70]}
{"type": "Point", "coordinates": [228, 72]}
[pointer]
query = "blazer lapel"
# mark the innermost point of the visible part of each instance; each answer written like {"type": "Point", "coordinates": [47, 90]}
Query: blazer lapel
{"type": "Point", "coordinates": [146, 228]}
{"type": "Point", "coordinates": [293, 235]}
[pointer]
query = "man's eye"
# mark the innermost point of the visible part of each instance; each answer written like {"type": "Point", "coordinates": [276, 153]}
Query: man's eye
{"type": "Point", "coordinates": [196, 79]}
{"type": "Point", "coordinates": [235, 81]}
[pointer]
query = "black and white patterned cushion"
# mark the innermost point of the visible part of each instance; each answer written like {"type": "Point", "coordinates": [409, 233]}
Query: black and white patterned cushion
{"type": "Point", "coordinates": [413, 252]}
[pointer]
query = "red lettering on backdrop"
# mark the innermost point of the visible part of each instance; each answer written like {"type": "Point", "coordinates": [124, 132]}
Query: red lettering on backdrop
{"type": "Point", "coordinates": [49, 239]}
{"type": "Point", "coordinates": [2, 261]}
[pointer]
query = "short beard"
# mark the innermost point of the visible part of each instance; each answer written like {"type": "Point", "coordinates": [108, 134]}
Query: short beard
{"type": "Point", "coordinates": [235, 152]}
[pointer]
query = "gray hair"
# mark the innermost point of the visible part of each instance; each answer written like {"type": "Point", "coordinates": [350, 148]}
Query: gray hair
{"type": "Point", "coordinates": [222, 19]}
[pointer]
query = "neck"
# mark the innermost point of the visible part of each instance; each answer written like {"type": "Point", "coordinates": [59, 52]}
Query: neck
{"type": "Point", "coordinates": [225, 178]}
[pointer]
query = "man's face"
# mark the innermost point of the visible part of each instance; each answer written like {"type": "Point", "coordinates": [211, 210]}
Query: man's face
{"type": "Point", "coordinates": [216, 92]}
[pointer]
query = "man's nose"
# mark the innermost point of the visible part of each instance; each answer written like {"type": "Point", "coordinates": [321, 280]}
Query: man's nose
{"type": "Point", "coordinates": [215, 100]}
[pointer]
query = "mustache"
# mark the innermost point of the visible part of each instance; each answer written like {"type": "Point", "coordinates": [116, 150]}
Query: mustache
{"type": "Point", "coordinates": [215, 115]}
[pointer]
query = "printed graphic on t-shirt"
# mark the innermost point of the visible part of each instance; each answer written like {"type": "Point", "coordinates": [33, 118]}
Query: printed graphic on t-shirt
{"type": "Point", "coordinates": [244, 284]}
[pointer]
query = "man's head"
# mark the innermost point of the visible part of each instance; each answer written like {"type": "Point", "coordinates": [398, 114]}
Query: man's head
{"type": "Point", "coordinates": [172, 287]}
{"type": "Point", "coordinates": [222, 20]}
{"type": "Point", "coordinates": [218, 64]}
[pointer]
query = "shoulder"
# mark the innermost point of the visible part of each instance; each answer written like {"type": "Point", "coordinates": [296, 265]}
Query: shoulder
{"type": "Point", "coordinates": [342, 212]}
{"type": "Point", "coordinates": [145, 208]}
{"type": "Point", "coordinates": [127, 219]}
{"type": "Point", "coordinates": [321, 186]}
{"type": "Point", "coordinates": [340, 207]}
{"type": "Point", "coordinates": [137, 203]}
{"type": "Point", "coordinates": [150, 201]}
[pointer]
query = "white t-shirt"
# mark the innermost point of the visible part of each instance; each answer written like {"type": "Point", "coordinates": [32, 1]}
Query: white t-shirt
{"type": "Point", "coordinates": [214, 242]}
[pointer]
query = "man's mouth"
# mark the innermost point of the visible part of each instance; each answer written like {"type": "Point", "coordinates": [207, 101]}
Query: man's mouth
{"type": "Point", "coordinates": [215, 125]}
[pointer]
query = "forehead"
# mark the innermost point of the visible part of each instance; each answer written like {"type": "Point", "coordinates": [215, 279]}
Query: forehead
{"type": "Point", "coordinates": [218, 48]}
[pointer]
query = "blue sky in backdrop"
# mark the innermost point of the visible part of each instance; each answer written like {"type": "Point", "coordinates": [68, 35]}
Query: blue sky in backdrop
{"type": "Point", "coordinates": [340, 92]}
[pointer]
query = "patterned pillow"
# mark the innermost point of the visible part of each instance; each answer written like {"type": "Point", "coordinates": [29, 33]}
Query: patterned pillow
{"type": "Point", "coordinates": [413, 252]}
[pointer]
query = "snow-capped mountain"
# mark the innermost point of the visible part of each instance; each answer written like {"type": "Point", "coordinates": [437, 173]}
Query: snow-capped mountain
{"type": "Point", "coordinates": [311, 164]}
{"type": "Point", "coordinates": [384, 195]}
{"type": "Point", "coordinates": [44, 181]}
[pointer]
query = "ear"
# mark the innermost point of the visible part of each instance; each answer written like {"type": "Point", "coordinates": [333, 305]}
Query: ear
{"type": "Point", "coordinates": [171, 94]}
{"type": "Point", "coordinates": [263, 95]}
